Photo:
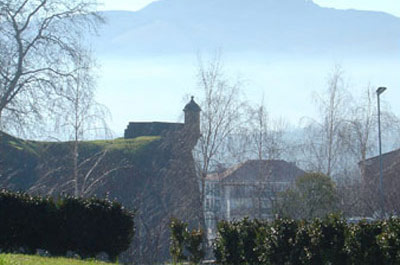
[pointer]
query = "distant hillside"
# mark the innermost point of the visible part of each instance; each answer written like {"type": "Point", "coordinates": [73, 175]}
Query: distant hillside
{"type": "Point", "coordinates": [271, 26]}
{"type": "Point", "coordinates": [146, 174]}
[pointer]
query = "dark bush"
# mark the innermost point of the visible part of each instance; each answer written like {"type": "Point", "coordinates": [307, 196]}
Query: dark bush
{"type": "Point", "coordinates": [251, 236]}
{"type": "Point", "coordinates": [389, 241]}
{"type": "Point", "coordinates": [183, 241]}
{"type": "Point", "coordinates": [228, 247]}
{"type": "Point", "coordinates": [323, 241]}
{"type": "Point", "coordinates": [362, 244]}
{"type": "Point", "coordinates": [177, 240]}
{"type": "Point", "coordinates": [194, 246]}
{"type": "Point", "coordinates": [84, 226]}
{"type": "Point", "coordinates": [280, 242]}
{"type": "Point", "coordinates": [328, 240]}
{"type": "Point", "coordinates": [304, 244]}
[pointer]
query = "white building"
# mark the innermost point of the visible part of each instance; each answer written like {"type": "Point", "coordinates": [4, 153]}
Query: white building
{"type": "Point", "coordinates": [247, 189]}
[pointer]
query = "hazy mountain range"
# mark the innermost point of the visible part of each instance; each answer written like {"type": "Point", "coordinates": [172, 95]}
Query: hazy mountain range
{"type": "Point", "coordinates": [284, 48]}
{"type": "Point", "coordinates": [272, 26]}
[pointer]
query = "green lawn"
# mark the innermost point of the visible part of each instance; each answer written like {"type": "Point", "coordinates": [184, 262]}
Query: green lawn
{"type": "Point", "coordinates": [124, 144]}
{"type": "Point", "coordinates": [18, 259]}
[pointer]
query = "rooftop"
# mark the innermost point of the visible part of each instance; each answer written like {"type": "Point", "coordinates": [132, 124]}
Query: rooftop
{"type": "Point", "coordinates": [259, 170]}
{"type": "Point", "coordinates": [192, 106]}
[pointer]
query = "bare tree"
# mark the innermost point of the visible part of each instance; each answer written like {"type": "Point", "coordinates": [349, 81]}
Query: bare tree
{"type": "Point", "coordinates": [79, 117]}
{"type": "Point", "coordinates": [221, 119]}
{"type": "Point", "coordinates": [323, 148]}
{"type": "Point", "coordinates": [222, 114]}
{"type": "Point", "coordinates": [359, 136]}
{"type": "Point", "coordinates": [266, 140]}
{"type": "Point", "coordinates": [39, 41]}
{"type": "Point", "coordinates": [358, 133]}
{"type": "Point", "coordinates": [266, 134]}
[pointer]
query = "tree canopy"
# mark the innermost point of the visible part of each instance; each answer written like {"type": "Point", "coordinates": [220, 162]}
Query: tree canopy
{"type": "Point", "coordinates": [313, 195]}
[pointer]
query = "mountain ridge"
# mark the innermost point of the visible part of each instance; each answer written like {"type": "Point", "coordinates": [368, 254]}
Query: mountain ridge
{"type": "Point", "coordinates": [290, 26]}
{"type": "Point", "coordinates": [153, 50]}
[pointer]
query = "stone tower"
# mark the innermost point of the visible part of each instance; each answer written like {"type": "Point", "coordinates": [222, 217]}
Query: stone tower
{"type": "Point", "coordinates": [192, 120]}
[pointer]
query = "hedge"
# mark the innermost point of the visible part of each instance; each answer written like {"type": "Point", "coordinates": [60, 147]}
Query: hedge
{"type": "Point", "coordinates": [86, 227]}
{"type": "Point", "coordinates": [322, 241]}
{"type": "Point", "coordinates": [185, 244]}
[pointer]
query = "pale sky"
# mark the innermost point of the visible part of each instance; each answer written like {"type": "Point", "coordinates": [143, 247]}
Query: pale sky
{"type": "Point", "coordinates": [389, 6]}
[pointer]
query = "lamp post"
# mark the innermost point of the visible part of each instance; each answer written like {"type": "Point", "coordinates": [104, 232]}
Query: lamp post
{"type": "Point", "coordinates": [379, 91]}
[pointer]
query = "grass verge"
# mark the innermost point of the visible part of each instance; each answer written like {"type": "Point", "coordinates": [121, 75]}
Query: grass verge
{"type": "Point", "coordinates": [19, 259]}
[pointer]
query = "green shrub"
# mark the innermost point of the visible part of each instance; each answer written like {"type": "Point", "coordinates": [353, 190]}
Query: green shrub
{"type": "Point", "coordinates": [194, 246]}
{"type": "Point", "coordinates": [304, 249]}
{"type": "Point", "coordinates": [322, 241]}
{"type": "Point", "coordinates": [328, 240]}
{"type": "Point", "coordinates": [84, 226]}
{"type": "Point", "coordinates": [261, 230]}
{"type": "Point", "coordinates": [177, 240]}
{"type": "Point", "coordinates": [362, 244]}
{"type": "Point", "coordinates": [389, 241]}
{"type": "Point", "coordinates": [280, 242]}
{"type": "Point", "coordinates": [182, 241]}
{"type": "Point", "coordinates": [228, 246]}
{"type": "Point", "coordinates": [250, 236]}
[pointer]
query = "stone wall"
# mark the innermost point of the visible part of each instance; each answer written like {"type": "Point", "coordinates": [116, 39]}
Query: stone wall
{"type": "Point", "coordinates": [136, 129]}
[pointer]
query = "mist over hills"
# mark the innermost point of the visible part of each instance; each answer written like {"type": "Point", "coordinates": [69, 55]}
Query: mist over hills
{"type": "Point", "coordinates": [284, 49]}
{"type": "Point", "coordinates": [271, 26]}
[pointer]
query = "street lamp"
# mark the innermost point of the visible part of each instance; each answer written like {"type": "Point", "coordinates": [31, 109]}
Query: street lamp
{"type": "Point", "coordinates": [379, 91]}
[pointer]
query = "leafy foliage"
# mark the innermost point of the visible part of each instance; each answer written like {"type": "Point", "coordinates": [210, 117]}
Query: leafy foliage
{"type": "Point", "coordinates": [280, 242]}
{"type": "Point", "coordinates": [330, 240]}
{"type": "Point", "coordinates": [228, 248]}
{"type": "Point", "coordinates": [313, 195]}
{"type": "Point", "coordinates": [389, 241]}
{"type": "Point", "coordinates": [182, 240]}
{"type": "Point", "coordinates": [178, 234]}
{"type": "Point", "coordinates": [328, 237]}
{"type": "Point", "coordinates": [362, 243]}
{"type": "Point", "coordinates": [84, 226]}
{"type": "Point", "coordinates": [194, 245]}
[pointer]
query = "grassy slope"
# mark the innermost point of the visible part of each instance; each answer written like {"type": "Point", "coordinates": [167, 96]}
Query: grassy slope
{"type": "Point", "coordinates": [130, 145]}
{"type": "Point", "coordinates": [26, 156]}
{"type": "Point", "coordinates": [34, 147]}
{"type": "Point", "coordinates": [17, 144]}
{"type": "Point", "coordinates": [18, 259]}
